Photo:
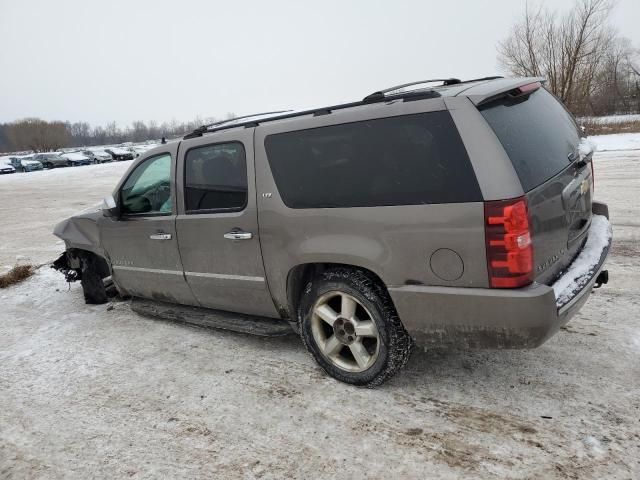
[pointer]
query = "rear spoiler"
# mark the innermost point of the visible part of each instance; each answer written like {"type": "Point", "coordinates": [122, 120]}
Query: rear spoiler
{"type": "Point", "coordinates": [486, 92]}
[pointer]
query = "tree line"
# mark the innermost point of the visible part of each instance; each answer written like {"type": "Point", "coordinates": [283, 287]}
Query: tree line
{"type": "Point", "coordinates": [587, 63]}
{"type": "Point", "coordinates": [43, 136]}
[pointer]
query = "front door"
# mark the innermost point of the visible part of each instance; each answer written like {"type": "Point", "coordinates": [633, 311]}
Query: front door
{"type": "Point", "coordinates": [217, 224]}
{"type": "Point", "coordinates": [141, 244]}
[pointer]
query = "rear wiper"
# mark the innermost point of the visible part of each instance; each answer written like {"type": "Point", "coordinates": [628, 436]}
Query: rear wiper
{"type": "Point", "coordinates": [574, 158]}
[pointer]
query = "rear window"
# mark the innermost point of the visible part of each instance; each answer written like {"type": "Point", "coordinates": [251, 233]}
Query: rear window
{"type": "Point", "coordinates": [537, 133]}
{"type": "Point", "coordinates": [404, 160]}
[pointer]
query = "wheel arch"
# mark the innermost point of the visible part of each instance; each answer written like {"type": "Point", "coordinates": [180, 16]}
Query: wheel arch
{"type": "Point", "coordinates": [97, 262]}
{"type": "Point", "coordinates": [299, 276]}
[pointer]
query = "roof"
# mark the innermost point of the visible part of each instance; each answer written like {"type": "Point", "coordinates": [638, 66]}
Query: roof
{"type": "Point", "coordinates": [477, 90]}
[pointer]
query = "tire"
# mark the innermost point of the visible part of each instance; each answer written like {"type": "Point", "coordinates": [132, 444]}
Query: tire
{"type": "Point", "coordinates": [362, 345]}
{"type": "Point", "coordinates": [92, 284]}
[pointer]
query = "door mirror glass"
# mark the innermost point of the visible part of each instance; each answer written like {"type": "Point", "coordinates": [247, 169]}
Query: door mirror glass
{"type": "Point", "coordinates": [110, 207]}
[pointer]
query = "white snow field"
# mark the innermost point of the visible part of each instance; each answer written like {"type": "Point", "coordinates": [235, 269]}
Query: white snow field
{"type": "Point", "coordinates": [616, 142]}
{"type": "Point", "coordinates": [100, 392]}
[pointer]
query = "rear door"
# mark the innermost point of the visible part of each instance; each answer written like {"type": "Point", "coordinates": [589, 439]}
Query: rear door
{"type": "Point", "coordinates": [218, 224]}
{"type": "Point", "coordinates": [542, 139]}
{"type": "Point", "coordinates": [142, 244]}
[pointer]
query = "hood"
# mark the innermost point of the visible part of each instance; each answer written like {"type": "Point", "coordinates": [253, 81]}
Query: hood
{"type": "Point", "coordinates": [81, 230]}
{"type": "Point", "coordinates": [30, 162]}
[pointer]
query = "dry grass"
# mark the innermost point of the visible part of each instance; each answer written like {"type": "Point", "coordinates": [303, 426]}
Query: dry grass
{"type": "Point", "coordinates": [16, 275]}
{"type": "Point", "coordinates": [601, 128]}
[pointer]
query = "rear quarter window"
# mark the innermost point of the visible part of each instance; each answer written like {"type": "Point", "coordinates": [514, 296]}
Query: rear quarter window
{"type": "Point", "coordinates": [404, 160]}
{"type": "Point", "coordinates": [537, 133]}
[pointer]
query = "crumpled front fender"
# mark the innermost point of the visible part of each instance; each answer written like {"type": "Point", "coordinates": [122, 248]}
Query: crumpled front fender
{"type": "Point", "coordinates": [81, 231]}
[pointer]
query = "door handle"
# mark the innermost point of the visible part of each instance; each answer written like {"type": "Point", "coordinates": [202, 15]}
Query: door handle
{"type": "Point", "coordinates": [160, 236]}
{"type": "Point", "coordinates": [238, 235]}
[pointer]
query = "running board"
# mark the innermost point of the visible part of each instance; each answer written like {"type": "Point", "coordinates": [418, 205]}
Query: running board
{"type": "Point", "coordinates": [236, 322]}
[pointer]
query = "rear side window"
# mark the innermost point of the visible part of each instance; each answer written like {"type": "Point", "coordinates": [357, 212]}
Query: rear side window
{"type": "Point", "coordinates": [537, 133]}
{"type": "Point", "coordinates": [405, 160]}
{"type": "Point", "coordinates": [215, 178]}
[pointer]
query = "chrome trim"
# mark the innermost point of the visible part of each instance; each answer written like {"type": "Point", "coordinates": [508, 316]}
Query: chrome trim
{"type": "Point", "coordinates": [238, 235]}
{"type": "Point", "coordinates": [147, 270]}
{"type": "Point", "coordinates": [224, 276]}
{"type": "Point", "coordinates": [160, 236]}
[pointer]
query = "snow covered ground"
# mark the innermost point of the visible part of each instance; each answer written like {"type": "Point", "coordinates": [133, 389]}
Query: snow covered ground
{"type": "Point", "coordinates": [612, 118]}
{"type": "Point", "coordinates": [98, 391]}
{"type": "Point", "coordinates": [618, 141]}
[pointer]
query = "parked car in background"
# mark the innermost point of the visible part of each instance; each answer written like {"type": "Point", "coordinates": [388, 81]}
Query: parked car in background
{"type": "Point", "coordinates": [134, 152]}
{"type": "Point", "coordinates": [75, 159]}
{"type": "Point", "coordinates": [25, 164]}
{"type": "Point", "coordinates": [5, 168]}
{"type": "Point", "coordinates": [98, 156]}
{"type": "Point", "coordinates": [51, 160]}
{"type": "Point", "coordinates": [141, 149]}
{"type": "Point", "coordinates": [119, 154]}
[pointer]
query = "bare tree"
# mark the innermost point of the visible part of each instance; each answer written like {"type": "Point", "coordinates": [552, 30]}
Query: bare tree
{"type": "Point", "coordinates": [38, 135]}
{"type": "Point", "coordinates": [570, 50]}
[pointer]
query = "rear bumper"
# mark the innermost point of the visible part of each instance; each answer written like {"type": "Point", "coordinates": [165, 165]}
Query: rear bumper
{"type": "Point", "coordinates": [490, 318]}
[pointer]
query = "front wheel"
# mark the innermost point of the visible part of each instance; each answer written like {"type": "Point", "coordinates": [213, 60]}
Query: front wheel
{"type": "Point", "coordinates": [350, 326]}
{"type": "Point", "coordinates": [92, 283]}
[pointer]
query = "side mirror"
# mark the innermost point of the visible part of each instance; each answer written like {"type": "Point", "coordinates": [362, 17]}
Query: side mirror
{"type": "Point", "coordinates": [110, 207]}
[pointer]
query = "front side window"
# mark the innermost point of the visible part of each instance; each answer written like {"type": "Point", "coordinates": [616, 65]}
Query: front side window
{"type": "Point", "coordinates": [215, 178]}
{"type": "Point", "coordinates": [148, 188]}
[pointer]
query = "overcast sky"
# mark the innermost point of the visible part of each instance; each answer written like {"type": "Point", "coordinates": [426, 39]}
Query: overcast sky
{"type": "Point", "coordinates": [101, 61]}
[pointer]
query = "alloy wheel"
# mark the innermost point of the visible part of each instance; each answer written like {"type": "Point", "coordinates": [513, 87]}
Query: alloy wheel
{"type": "Point", "coordinates": [345, 331]}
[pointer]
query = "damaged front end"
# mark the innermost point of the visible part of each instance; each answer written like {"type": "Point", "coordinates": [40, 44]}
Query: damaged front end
{"type": "Point", "coordinates": [81, 238]}
{"type": "Point", "coordinates": [69, 267]}
{"type": "Point", "coordinates": [81, 231]}
{"type": "Point", "coordinates": [84, 259]}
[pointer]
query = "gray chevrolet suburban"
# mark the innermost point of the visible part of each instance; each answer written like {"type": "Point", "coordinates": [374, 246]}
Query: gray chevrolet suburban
{"type": "Point", "coordinates": [441, 212]}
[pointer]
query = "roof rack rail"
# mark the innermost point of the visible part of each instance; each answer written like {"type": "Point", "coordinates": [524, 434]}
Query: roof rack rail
{"type": "Point", "coordinates": [380, 94]}
{"type": "Point", "coordinates": [373, 98]}
{"type": "Point", "coordinates": [205, 128]}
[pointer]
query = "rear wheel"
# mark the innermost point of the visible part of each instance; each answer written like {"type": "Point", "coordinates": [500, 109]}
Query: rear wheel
{"type": "Point", "coordinates": [349, 324]}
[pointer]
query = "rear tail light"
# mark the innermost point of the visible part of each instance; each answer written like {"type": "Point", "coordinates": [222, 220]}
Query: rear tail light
{"type": "Point", "coordinates": [508, 241]}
